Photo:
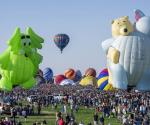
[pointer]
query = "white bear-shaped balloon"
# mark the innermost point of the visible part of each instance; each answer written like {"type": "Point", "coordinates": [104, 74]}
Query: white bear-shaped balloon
{"type": "Point", "coordinates": [128, 56]}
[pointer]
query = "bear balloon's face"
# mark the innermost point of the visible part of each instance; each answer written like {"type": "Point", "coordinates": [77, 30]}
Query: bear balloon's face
{"type": "Point", "coordinates": [26, 45]}
{"type": "Point", "coordinates": [121, 27]}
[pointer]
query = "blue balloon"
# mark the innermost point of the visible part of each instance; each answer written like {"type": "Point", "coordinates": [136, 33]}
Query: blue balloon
{"type": "Point", "coordinates": [61, 41]}
{"type": "Point", "coordinates": [78, 76]}
{"type": "Point", "coordinates": [48, 74]}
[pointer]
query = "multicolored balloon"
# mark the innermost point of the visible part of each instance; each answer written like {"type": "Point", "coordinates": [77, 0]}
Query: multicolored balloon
{"type": "Point", "coordinates": [59, 79]}
{"type": "Point", "coordinates": [48, 74]}
{"type": "Point", "coordinates": [70, 74]}
{"type": "Point", "coordinates": [138, 14]}
{"type": "Point", "coordinates": [102, 82]}
{"type": "Point", "coordinates": [90, 72]}
{"type": "Point", "coordinates": [61, 41]}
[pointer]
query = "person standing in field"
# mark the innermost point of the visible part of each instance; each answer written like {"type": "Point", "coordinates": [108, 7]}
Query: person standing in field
{"type": "Point", "coordinates": [61, 121]}
{"type": "Point", "coordinates": [65, 108]}
{"type": "Point", "coordinates": [95, 119]}
{"type": "Point", "coordinates": [101, 120]}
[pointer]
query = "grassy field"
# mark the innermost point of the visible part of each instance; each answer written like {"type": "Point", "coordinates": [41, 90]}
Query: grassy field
{"type": "Point", "coordinates": [49, 115]}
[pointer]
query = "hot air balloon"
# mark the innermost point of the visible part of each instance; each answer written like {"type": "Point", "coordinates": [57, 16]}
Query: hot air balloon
{"type": "Point", "coordinates": [132, 66]}
{"type": "Point", "coordinates": [138, 14]}
{"type": "Point", "coordinates": [102, 80]}
{"type": "Point", "coordinates": [40, 72]}
{"type": "Point", "coordinates": [90, 72]}
{"type": "Point", "coordinates": [67, 82]}
{"type": "Point", "coordinates": [20, 61]}
{"type": "Point", "coordinates": [61, 41]}
{"type": "Point", "coordinates": [78, 76]}
{"type": "Point", "coordinates": [48, 74]}
{"type": "Point", "coordinates": [39, 80]}
{"type": "Point", "coordinates": [70, 74]}
{"type": "Point", "coordinates": [88, 80]}
{"type": "Point", "coordinates": [59, 79]}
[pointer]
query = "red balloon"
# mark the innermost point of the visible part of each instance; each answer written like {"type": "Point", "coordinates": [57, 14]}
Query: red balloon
{"type": "Point", "coordinates": [90, 72]}
{"type": "Point", "coordinates": [59, 78]}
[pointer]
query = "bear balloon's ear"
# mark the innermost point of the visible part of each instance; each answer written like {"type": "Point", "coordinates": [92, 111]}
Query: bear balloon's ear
{"type": "Point", "coordinates": [112, 21]}
{"type": "Point", "coordinates": [15, 41]}
{"type": "Point", "coordinates": [126, 17]}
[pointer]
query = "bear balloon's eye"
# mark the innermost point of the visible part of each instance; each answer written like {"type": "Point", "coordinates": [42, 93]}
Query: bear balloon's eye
{"type": "Point", "coordinates": [118, 23]}
{"type": "Point", "coordinates": [23, 37]}
{"type": "Point", "coordinates": [27, 36]}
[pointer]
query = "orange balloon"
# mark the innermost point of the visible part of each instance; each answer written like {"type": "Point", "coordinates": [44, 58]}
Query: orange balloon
{"type": "Point", "coordinates": [70, 74]}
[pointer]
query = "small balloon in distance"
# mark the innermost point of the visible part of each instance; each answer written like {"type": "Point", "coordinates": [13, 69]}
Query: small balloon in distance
{"type": "Point", "coordinates": [61, 41]}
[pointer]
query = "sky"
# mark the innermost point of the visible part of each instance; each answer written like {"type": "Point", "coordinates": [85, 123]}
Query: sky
{"type": "Point", "coordinates": [87, 22]}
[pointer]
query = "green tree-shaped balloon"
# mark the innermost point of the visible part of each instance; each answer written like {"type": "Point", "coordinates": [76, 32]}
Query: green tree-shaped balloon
{"type": "Point", "coordinates": [20, 62]}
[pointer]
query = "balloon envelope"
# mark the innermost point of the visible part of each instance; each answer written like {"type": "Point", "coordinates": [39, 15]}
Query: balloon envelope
{"type": "Point", "coordinates": [90, 72]}
{"type": "Point", "coordinates": [138, 14]}
{"type": "Point", "coordinates": [67, 82]}
{"type": "Point", "coordinates": [88, 80]}
{"type": "Point", "coordinates": [59, 78]}
{"type": "Point", "coordinates": [134, 57]}
{"type": "Point", "coordinates": [102, 82]}
{"type": "Point", "coordinates": [103, 73]}
{"type": "Point", "coordinates": [61, 41]}
{"type": "Point", "coordinates": [48, 74]}
{"type": "Point", "coordinates": [40, 72]}
{"type": "Point", "coordinates": [78, 76]}
{"type": "Point", "coordinates": [39, 80]}
{"type": "Point", "coordinates": [70, 74]}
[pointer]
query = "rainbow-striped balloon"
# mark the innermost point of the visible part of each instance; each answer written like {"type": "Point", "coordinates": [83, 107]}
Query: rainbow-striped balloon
{"type": "Point", "coordinates": [102, 81]}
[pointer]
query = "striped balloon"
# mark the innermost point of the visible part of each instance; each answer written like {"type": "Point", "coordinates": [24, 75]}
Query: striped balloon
{"type": "Point", "coordinates": [103, 80]}
{"type": "Point", "coordinates": [48, 74]}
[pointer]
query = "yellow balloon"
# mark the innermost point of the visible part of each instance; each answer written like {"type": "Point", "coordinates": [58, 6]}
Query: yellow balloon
{"type": "Point", "coordinates": [88, 80]}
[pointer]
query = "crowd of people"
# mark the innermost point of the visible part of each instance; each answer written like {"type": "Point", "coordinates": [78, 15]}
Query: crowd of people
{"type": "Point", "coordinates": [131, 108]}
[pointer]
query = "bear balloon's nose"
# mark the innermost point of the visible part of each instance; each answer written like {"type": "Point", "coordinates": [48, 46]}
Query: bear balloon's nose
{"type": "Point", "coordinates": [125, 30]}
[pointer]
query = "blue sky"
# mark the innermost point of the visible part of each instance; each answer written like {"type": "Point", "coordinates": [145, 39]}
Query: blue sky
{"type": "Point", "coordinates": [87, 22]}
